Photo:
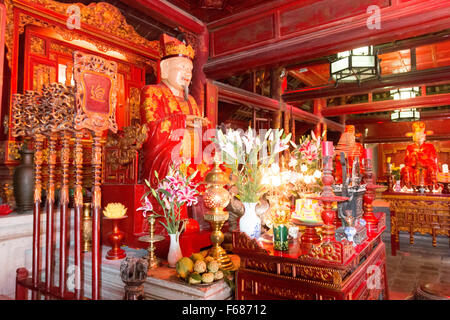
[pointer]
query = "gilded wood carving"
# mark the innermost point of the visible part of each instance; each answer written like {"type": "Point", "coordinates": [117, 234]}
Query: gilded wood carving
{"type": "Point", "coordinates": [96, 92]}
{"type": "Point", "coordinates": [97, 18]}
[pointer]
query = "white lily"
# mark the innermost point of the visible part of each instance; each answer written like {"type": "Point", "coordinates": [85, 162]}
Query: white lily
{"type": "Point", "coordinates": [229, 149]}
{"type": "Point", "coordinates": [317, 174]}
{"type": "Point", "coordinates": [293, 162]}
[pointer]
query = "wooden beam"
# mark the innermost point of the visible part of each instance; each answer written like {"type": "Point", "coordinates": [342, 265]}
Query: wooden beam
{"type": "Point", "coordinates": [426, 115]}
{"type": "Point", "coordinates": [391, 81]}
{"type": "Point", "coordinates": [167, 13]}
{"type": "Point", "coordinates": [389, 105]}
{"type": "Point", "coordinates": [403, 139]}
{"type": "Point", "coordinates": [232, 94]}
{"type": "Point", "coordinates": [300, 76]}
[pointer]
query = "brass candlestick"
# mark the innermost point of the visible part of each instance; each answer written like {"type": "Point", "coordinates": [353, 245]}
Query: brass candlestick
{"type": "Point", "coordinates": [86, 244]}
{"type": "Point", "coordinates": [216, 198]}
{"type": "Point", "coordinates": [153, 260]}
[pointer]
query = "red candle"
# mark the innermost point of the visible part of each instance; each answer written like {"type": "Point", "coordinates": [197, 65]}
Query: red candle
{"type": "Point", "coordinates": [368, 154]}
{"type": "Point", "coordinates": [327, 148]}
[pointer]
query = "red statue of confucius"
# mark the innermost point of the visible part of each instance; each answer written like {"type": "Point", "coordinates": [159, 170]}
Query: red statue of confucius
{"type": "Point", "coordinates": [170, 113]}
{"type": "Point", "coordinates": [420, 161]}
{"type": "Point", "coordinates": [173, 118]}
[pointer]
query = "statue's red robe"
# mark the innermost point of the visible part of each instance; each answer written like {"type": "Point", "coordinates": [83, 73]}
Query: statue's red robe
{"type": "Point", "coordinates": [423, 156]}
{"type": "Point", "coordinates": [165, 116]}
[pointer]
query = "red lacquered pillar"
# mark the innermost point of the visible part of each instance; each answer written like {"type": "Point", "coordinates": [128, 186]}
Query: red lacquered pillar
{"type": "Point", "coordinates": [78, 197]}
{"type": "Point", "coordinates": [50, 213]}
{"type": "Point", "coordinates": [64, 206]}
{"type": "Point", "coordinates": [37, 214]}
{"type": "Point", "coordinates": [97, 164]}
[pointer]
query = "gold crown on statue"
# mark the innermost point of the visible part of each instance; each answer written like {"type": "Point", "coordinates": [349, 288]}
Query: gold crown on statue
{"type": "Point", "coordinates": [418, 126]}
{"type": "Point", "coordinates": [171, 47]}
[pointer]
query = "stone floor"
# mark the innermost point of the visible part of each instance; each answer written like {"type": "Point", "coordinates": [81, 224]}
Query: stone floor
{"type": "Point", "coordinates": [416, 263]}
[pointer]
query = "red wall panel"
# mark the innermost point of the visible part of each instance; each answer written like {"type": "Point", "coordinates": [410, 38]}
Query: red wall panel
{"type": "Point", "coordinates": [297, 18]}
{"type": "Point", "coordinates": [244, 34]}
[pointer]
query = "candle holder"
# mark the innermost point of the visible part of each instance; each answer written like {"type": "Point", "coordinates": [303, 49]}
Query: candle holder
{"type": "Point", "coordinates": [153, 260]}
{"type": "Point", "coordinates": [86, 236]}
{"type": "Point", "coordinates": [369, 196]}
{"type": "Point", "coordinates": [328, 197]}
{"type": "Point", "coordinates": [309, 237]}
{"type": "Point", "coordinates": [329, 249]}
{"type": "Point", "coordinates": [115, 238]}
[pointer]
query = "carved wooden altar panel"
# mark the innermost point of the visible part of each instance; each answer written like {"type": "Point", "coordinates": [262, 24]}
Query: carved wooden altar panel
{"type": "Point", "coordinates": [424, 214]}
{"type": "Point", "coordinates": [264, 276]}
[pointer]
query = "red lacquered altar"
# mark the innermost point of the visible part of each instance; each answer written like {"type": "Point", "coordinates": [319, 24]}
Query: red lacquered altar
{"type": "Point", "coordinates": [341, 272]}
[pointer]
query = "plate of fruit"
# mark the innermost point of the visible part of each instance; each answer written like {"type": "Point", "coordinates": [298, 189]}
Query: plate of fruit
{"type": "Point", "coordinates": [199, 270]}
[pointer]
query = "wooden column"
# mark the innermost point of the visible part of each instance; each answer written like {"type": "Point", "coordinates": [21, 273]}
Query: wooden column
{"type": "Point", "coordinates": [212, 104]}
{"type": "Point", "coordinates": [319, 105]}
{"type": "Point", "coordinates": [64, 211]}
{"type": "Point", "coordinates": [50, 211]}
{"type": "Point", "coordinates": [96, 211]}
{"type": "Point", "coordinates": [38, 144]}
{"type": "Point", "coordinates": [78, 197]}
{"type": "Point", "coordinates": [198, 85]}
{"type": "Point", "coordinates": [276, 90]}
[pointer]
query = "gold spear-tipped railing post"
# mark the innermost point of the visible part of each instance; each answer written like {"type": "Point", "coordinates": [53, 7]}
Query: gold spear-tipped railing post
{"type": "Point", "coordinates": [26, 122]}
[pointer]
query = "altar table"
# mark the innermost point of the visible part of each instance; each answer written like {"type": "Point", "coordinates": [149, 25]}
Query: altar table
{"type": "Point", "coordinates": [269, 274]}
{"type": "Point", "coordinates": [415, 212]}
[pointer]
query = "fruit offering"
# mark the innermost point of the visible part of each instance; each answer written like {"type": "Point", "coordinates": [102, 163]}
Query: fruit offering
{"type": "Point", "coordinates": [199, 269]}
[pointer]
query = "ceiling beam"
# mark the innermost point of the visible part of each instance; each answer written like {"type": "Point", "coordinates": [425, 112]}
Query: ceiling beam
{"type": "Point", "coordinates": [430, 101]}
{"type": "Point", "coordinates": [300, 76]}
{"type": "Point", "coordinates": [319, 75]}
{"type": "Point", "coordinates": [403, 139]}
{"type": "Point", "coordinates": [398, 80]}
{"type": "Point", "coordinates": [167, 13]}
{"type": "Point", "coordinates": [425, 115]}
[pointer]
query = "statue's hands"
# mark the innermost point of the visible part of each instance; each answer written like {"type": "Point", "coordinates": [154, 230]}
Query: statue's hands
{"type": "Point", "coordinates": [193, 121]}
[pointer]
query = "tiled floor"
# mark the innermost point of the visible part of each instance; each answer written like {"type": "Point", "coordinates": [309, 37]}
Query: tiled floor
{"type": "Point", "coordinates": [413, 264]}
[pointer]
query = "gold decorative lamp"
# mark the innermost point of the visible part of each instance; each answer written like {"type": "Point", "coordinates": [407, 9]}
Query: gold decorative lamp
{"type": "Point", "coordinates": [216, 198]}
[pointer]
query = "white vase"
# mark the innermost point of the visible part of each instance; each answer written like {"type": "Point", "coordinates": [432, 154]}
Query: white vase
{"type": "Point", "coordinates": [174, 250]}
{"type": "Point", "coordinates": [250, 223]}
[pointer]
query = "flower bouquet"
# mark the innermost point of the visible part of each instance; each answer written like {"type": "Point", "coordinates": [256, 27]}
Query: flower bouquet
{"type": "Point", "coordinates": [247, 155]}
{"type": "Point", "coordinates": [174, 191]}
{"type": "Point", "coordinates": [306, 161]}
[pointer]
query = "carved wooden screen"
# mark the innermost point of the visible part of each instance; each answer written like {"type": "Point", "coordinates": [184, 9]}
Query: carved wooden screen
{"type": "Point", "coordinates": [50, 60]}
